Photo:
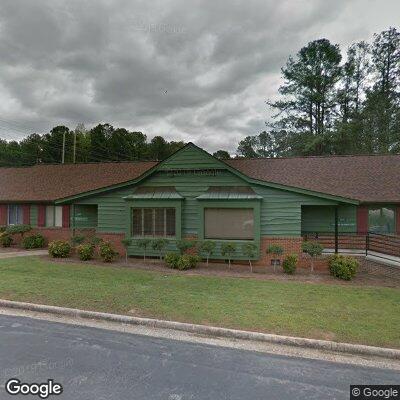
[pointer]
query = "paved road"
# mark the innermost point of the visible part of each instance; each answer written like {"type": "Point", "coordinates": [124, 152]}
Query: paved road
{"type": "Point", "coordinates": [99, 364]}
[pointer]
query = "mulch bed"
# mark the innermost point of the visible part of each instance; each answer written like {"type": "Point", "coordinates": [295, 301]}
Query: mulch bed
{"type": "Point", "coordinates": [364, 277]}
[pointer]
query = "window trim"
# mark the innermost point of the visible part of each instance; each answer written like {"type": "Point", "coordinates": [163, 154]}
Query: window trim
{"type": "Point", "coordinates": [142, 217]}
{"type": "Point", "coordinates": [253, 204]}
{"type": "Point", "coordinates": [381, 206]}
{"type": "Point", "coordinates": [177, 204]}
{"type": "Point", "coordinates": [55, 206]}
{"type": "Point", "coordinates": [229, 238]}
{"type": "Point", "coordinates": [21, 211]}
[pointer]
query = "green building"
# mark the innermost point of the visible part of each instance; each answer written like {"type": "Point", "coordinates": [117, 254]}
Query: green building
{"type": "Point", "coordinates": [193, 195]}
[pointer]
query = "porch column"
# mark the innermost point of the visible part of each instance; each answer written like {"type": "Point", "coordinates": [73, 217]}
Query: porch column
{"type": "Point", "coordinates": [336, 230]}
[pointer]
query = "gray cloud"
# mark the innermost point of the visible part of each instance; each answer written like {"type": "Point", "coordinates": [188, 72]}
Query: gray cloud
{"type": "Point", "coordinates": [191, 70]}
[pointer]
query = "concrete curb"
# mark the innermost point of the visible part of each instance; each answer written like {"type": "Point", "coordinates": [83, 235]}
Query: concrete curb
{"type": "Point", "coordinates": [209, 330]}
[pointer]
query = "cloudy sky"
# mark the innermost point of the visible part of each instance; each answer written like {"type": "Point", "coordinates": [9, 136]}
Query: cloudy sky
{"type": "Point", "coordinates": [187, 70]}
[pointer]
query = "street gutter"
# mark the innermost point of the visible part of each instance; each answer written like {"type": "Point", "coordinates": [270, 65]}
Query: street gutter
{"type": "Point", "coordinates": [213, 331]}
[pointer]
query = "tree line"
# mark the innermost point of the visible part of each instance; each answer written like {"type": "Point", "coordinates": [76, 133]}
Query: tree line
{"type": "Point", "coordinates": [330, 104]}
{"type": "Point", "coordinates": [327, 104]}
{"type": "Point", "coordinates": [101, 143]}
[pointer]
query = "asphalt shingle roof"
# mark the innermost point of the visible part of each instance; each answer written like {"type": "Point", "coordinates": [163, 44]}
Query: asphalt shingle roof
{"type": "Point", "coordinates": [363, 178]}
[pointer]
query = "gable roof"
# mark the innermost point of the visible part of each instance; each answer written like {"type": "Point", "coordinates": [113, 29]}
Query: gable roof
{"type": "Point", "coordinates": [54, 181]}
{"type": "Point", "coordinates": [356, 178]}
{"type": "Point", "coordinates": [366, 178]}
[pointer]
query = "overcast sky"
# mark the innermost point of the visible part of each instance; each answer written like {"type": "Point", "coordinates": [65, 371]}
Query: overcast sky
{"type": "Point", "coordinates": [187, 70]}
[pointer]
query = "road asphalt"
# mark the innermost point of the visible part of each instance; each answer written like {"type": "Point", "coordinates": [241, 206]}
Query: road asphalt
{"type": "Point", "coordinates": [98, 364]}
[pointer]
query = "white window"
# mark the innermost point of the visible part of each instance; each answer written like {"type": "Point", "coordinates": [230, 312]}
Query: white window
{"type": "Point", "coordinates": [229, 223]}
{"type": "Point", "coordinates": [153, 222]}
{"type": "Point", "coordinates": [15, 214]}
{"type": "Point", "coordinates": [54, 216]}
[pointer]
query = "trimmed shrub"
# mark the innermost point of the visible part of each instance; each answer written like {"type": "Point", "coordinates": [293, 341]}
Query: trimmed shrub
{"type": "Point", "coordinates": [187, 261]}
{"type": "Point", "coordinates": [275, 249]}
{"type": "Point", "coordinates": [290, 264]}
{"type": "Point", "coordinates": [172, 259]}
{"type": "Point", "coordinates": [313, 249]}
{"type": "Point", "coordinates": [249, 250]}
{"type": "Point", "coordinates": [107, 253]}
{"type": "Point", "coordinates": [18, 229]}
{"type": "Point", "coordinates": [184, 245]}
{"type": "Point", "coordinates": [6, 239]}
{"type": "Point", "coordinates": [85, 252]}
{"type": "Point", "coordinates": [143, 244]}
{"type": "Point", "coordinates": [59, 249]}
{"type": "Point", "coordinates": [194, 260]}
{"type": "Point", "coordinates": [207, 247]}
{"type": "Point", "coordinates": [77, 240]}
{"type": "Point", "coordinates": [95, 241]}
{"type": "Point", "coordinates": [159, 245]}
{"type": "Point", "coordinates": [228, 249]}
{"type": "Point", "coordinates": [184, 262]}
{"type": "Point", "coordinates": [33, 241]}
{"type": "Point", "coordinates": [343, 267]}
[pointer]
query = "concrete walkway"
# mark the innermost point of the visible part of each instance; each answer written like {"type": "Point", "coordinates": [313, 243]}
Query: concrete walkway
{"type": "Point", "coordinates": [22, 253]}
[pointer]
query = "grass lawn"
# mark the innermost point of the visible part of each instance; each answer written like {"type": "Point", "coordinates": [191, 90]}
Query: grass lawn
{"type": "Point", "coordinates": [350, 314]}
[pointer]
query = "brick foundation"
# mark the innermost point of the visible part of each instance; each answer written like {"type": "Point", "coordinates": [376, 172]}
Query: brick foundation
{"type": "Point", "coordinates": [290, 245]}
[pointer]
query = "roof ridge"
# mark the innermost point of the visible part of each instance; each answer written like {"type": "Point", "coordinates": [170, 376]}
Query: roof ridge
{"type": "Point", "coordinates": [306, 157]}
{"type": "Point", "coordinates": [79, 163]}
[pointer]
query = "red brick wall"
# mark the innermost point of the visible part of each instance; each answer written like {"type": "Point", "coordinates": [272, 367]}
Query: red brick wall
{"type": "Point", "coordinates": [115, 239]}
{"type": "Point", "coordinates": [26, 214]}
{"type": "Point", "coordinates": [362, 219]}
{"type": "Point", "coordinates": [290, 245]}
{"type": "Point", "coordinates": [65, 216]}
{"type": "Point", "coordinates": [3, 214]}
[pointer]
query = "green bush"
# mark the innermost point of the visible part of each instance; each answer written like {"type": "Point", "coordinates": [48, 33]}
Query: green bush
{"type": "Point", "coordinates": [207, 247]}
{"type": "Point", "coordinates": [187, 261]}
{"type": "Point", "coordinates": [143, 244]}
{"type": "Point", "coordinates": [313, 249]}
{"type": "Point", "coordinates": [228, 249]}
{"type": "Point", "coordinates": [34, 241]}
{"type": "Point", "coordinates": [6, 239]}
{"type": "Point", "coordinates": [95, 241]}
{"type": "Point", "coordinates": [249, 250]}
{"type": "Point", "coordinates": [184, 245]}
{"type": "Point", "coordinates": [85, 252]}
{"type": "Point", "coordinates": [3, 228]}
{"type": "Point", "coordinates": [59, 249]}
{"type": "Point", "coordinates": [172, 259]}
{"type": "Point", "coordinates": [107, 253]}
{"type": "Point", "coordinates": [194, 260]}
{"type": "Point", "coordinates": [18, 229]}
{"type": "Point", "coordinates": [77, 240]}
{"type": "Point", "coordinates": [275, 249]}
{"type": "Point", "coordinates": [343, 267]}
{"type": "Point", "coordinates": [290, 264]}
{"type": "Point", "coordinates": [159, 245]}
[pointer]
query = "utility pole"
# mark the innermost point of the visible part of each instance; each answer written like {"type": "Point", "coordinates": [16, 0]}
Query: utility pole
{"type": "Point", "coordinates": [74, 153]}
{"type": "Point", "coordinates": [63, 150]}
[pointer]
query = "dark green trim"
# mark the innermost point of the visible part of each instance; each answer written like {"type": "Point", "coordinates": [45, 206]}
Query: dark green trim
{"type": "Point", "coordinates": [177, 204]}
{"type": "Point", "coordinates": [253, 204]}
{"type": "Point", "coordinates": [225, 165]}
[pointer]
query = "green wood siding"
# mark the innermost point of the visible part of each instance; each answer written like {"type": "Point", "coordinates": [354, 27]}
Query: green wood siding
{"type": "Point", "coordinates": [279, 211]}
{"type": "Point", "coordinates": [34, 215]}
{"type": "Point", "coordinates": [322, 219]}
{"type": "Point", "coordinates": [191, 158]}
{"type": "Point", "coordinates": [84, 216]}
